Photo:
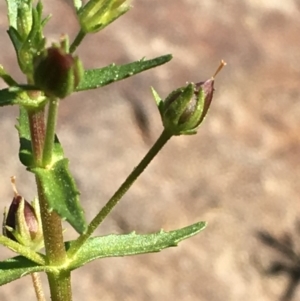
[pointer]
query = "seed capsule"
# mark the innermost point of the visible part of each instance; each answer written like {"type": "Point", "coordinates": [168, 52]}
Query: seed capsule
{"type": "Point", "coordinates": [22, 222]}
{"type": "Point", "coordinates": [184, 109]}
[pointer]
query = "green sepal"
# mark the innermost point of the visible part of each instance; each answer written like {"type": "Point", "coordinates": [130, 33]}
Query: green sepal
{"type": "Point", "coordinates": [15, 38]}
{"type": "Point", "coordinates": [95, 78]}
{"type": "Point", "coordinates": [174, 106]}
{"type": "Point", "coordinates": [130, 244]}
{"type": "Point", "coordinates": [77, 4]}
{"type": "Point", "coordinates": [21, 232]}
{"type": "Point", "coordinates": [12, 11]}
{"type": "Point", "coordinates": [174, 110]}
{"type": "Point", "coordinates": [194, 120]}
{"type": "Point", "coordinates": [17, 267]}
{"type": "Point", "coordinates": [24, 18]}
{"type": "Point", "coordinates": [158, 100]}
{"type": "Point", "coordinates": [61, 192]}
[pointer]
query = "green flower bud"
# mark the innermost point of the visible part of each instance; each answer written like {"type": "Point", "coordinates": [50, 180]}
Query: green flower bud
{"type": "Point", "coordinates": [57, 72]}
{"type": "Point", "coordinates": [97, 14]}
{"type": "Point", "coordinates": [22, 223]}
{"type": "Point", "coordinates": [24, 19]}
{"type": "Point", "coordinates": [184, 109]}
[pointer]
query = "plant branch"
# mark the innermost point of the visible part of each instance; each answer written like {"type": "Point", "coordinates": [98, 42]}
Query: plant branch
{"type": "Point", "coordinates": [80, 36]}
{"type": "Point", "coordinates": [161, 141]}
{"type": "Point", "coordinates": [50, 132]}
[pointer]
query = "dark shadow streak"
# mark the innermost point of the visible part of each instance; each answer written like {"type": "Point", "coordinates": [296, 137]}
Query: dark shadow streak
{"type": "Point", "coordinates": [289, 264]}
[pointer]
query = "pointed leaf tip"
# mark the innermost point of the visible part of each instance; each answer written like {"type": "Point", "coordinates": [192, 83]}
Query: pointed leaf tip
{"type": "Point", "coordinates": [131, 244]}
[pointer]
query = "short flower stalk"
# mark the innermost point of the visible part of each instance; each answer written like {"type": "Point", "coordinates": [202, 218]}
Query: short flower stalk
{"type": "Point", "coordinates": [96, 15]}
{"type": "Point", "coordinates": [182, 119]}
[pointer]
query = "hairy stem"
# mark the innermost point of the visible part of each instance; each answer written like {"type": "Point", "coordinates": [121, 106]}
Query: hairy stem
{"type": "Point", "coordinates": [37, 130]}
{"type": "Point", "coordinates": [60, 287]}
{"type": "Point", "coordinates": [36, 280]}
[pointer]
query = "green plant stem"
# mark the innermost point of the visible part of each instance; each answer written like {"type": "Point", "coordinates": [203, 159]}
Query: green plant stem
{"type": "Point", "coordinates": [22, 250]}
{"type": "Point", "coordinates": [60, 286]}
{"type": "Point", "coordinates": [50, 132]}
{"type": "Point", "coordinates": [52, 229]}
{"type": "Point", "coordinates": [80, 36]}
{"type": "Point", "coordinates": [161, 141]}
{"type": "Point", "coordinates": [36, 280]}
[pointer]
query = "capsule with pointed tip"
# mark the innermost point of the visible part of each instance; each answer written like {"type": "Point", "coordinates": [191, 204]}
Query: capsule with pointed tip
{"type": "Point", "coordinates": [184, 109]}
{"type": "Point", "coordinates": [22, 222]}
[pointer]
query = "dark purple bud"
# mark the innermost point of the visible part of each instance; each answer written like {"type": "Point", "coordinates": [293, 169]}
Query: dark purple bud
{"type": "Point", "coordinates": [12, 219]}
{"type": "Point", "coordinates": [56, 72]}
{"type": "Point", "coordinates": [22, 223]}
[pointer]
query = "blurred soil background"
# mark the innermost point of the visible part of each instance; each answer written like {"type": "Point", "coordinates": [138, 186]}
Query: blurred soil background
{"type": "Point", "coordinates": [240, 172]}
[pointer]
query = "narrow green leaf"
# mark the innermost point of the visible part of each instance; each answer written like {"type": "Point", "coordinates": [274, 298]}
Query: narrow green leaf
{"type": "Point", "coordinates": [17, 267]}
{"type": "Point", "coordinates": [15, 38]}
{"type": "Point", "coordinates": [8, 97]}
{"type": "Point", "coordinates": [131, 244]}
{"type": "Point", "coordinates": [25, 151]}
{"type": "Point", "coordinates": [100, 247]}
{"type": "Point", "coordinates": [7, 78]}
{"type": "Point", "coordinates": [22, 250]}
{"type": "Point", "coordinates": [96, 78]}
{"type": "Point", "coordinates": [17, 96]}
{"type": "Point", "coordinates": [61, 193]}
